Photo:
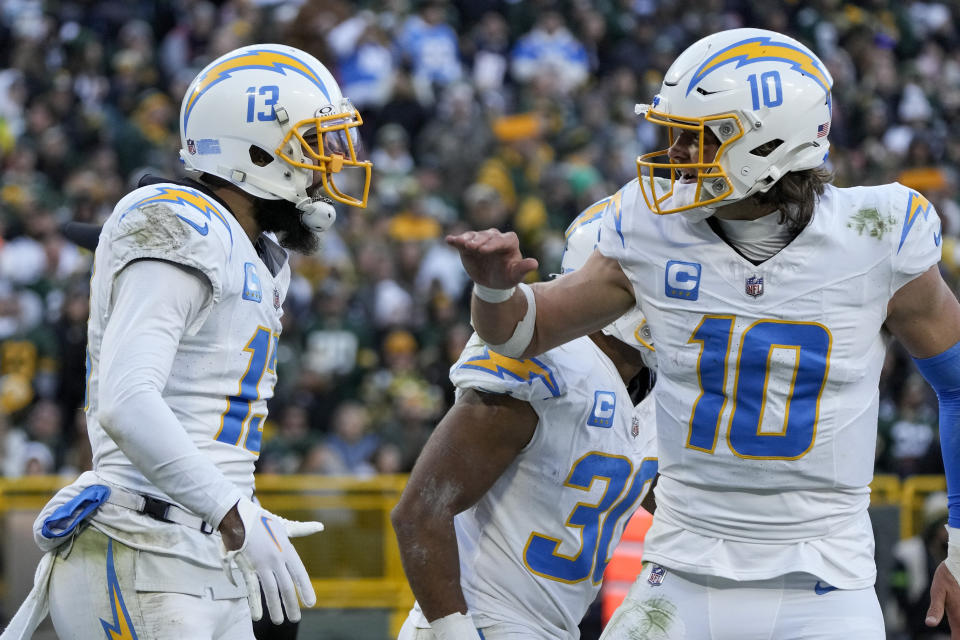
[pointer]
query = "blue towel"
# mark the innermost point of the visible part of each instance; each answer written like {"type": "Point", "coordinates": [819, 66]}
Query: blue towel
{"type": "Point", "coordinates": [68, 516]}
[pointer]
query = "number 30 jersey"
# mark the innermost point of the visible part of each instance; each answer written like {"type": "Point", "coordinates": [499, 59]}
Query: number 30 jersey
{"type": "Point", "coordinates": [533, 550]}
{"type": "Point", "coordinates": [225, 367]}
{"type": "Point", "coordinates": [767, 392]}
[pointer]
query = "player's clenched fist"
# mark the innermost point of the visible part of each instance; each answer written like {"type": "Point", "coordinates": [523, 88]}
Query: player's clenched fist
{"type": "Point", "coordinates": [492, 258]}
{"type": "Point", "coordinates": [268, 560]}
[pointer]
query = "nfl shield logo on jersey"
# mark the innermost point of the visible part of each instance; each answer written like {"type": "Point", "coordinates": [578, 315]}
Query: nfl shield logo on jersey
{"type": "Point", "coordinates": [754, 286]}
{"type": "Point", "coordinates": [635, 426]}
{"type": "Point", "coordinates": [276, 298]}
{"type": "Point", "coordinates": [657, 574]}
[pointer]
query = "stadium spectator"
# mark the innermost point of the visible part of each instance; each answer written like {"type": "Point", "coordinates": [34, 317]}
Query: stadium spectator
{"type": "Point", "coordinates": [430, 44]}
{"type": "Point", "coordinates": [366, 65]}
{"type": "Point", "coordinates": [550, 50]}
{"type": "Point", "coordinates": [914, 446]}
{"type": "Point", "coordinates": [351, 439]}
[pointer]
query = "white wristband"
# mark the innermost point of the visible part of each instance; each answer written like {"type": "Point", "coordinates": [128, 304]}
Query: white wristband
{"type": "Point", "coordinates": [455, 626]}
{"type": "Point", "coordinates": [953, 552]}
{"type": "Point", "coordinates": [953, 535]}
{"type": "Point", "coordinates": [523, 333]}
{"type": "Point", "coordinates": [491, 295]}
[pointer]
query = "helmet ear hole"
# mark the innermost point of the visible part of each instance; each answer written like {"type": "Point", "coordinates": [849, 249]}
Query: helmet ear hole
{"type": "Point", "coordinates": [259, 156]}
{"type": "Point", "coordinates": [766, 148]}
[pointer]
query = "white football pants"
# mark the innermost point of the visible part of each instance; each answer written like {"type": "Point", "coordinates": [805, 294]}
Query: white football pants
{"type": "Point", "coordinates": [105, 589]}
{"type": "Point", "coordinates": [792, 607]}
{"type": "Point", "coordinates": [498, 631]}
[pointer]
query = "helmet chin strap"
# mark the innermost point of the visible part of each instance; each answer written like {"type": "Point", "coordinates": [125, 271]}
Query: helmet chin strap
{"type": "Point", "coordinates": [684, 195]}
{"type": "Point", "coordinates": [317, 215]}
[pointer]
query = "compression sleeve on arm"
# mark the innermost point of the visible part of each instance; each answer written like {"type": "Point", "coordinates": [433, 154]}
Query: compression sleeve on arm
{"type": "Point", "coordinates": [943, 373]}
{"type": "Point", "coordinates": [153, 304]}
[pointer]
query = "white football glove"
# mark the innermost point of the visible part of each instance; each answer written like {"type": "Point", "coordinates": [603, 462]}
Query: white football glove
{"type": "Point", "coordinates": [455, 626]}
{"type": "Point", "coordinates": [268, 560]}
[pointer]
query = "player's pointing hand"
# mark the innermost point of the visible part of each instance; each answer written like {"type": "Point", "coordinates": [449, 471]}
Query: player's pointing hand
{"type": "Point", "coordinates": [492, 258]}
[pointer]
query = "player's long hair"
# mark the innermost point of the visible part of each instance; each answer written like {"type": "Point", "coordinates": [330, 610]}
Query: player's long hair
{"type": "Point", "coordinates": [796, 195]}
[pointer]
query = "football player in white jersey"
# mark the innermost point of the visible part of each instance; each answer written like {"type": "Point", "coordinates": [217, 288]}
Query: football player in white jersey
{"type": "Point", "coordinates": [162, 539]}
{"type": "Point", "coordinates": [520, 496]}
{"type": "Point", "coordinates": [766, 289]}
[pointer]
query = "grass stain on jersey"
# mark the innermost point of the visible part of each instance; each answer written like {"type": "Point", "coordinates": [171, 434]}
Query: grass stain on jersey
{"type": "Point", "coordinates": [658, 615]}
{"type": "Point", "coordinates": [154, 231]}
{"type": "Point", "coordinates": [871, 221]}
{"type": "Point", "coordinates": [650, 619]}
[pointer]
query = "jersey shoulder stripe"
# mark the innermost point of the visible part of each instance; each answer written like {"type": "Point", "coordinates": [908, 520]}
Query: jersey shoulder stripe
{"type": "Point", "coordinates": [194, 207]}
{"type": "Point", "coordinates": [917, 207]}
{"type": "Point", "coordinates": [527, 379]}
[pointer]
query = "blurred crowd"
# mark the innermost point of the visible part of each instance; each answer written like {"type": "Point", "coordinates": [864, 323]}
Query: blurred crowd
{"type": "Point", "coordinates": [513, 114]}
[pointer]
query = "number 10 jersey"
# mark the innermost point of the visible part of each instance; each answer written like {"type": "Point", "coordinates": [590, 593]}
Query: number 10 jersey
{"type": "Point", "coordinates": [767, 391]}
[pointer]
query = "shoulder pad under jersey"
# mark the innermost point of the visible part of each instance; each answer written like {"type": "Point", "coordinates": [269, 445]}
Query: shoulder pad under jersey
{"type": "Point", "coordinates": [174, 223]}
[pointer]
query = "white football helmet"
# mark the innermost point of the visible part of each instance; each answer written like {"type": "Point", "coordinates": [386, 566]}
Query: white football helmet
{"type": "Point", "coordinates": [582, 237]}
{"type": "Point", "coordinates": [764, 95]}
{"type": "Point", "coordinates": [268, 118]}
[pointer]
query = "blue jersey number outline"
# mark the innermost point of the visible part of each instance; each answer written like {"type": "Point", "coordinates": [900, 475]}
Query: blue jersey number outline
{"type": "Point", "coordinates": [262, 348]}
{"type": "Point", "coordinates": [597, 522]}
{"type": "Point", "coordinates": [811, 343]}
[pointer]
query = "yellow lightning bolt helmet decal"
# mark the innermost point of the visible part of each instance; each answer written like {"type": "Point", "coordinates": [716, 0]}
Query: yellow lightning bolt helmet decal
{"type": "Point", "coordinates": [122, 627]}
{"type": "Point", "coordinates": [763, 49]}
{"type": "Point", "coordinates": [526, 370]}
{"type": "Point", "coordinates": [262, 59]}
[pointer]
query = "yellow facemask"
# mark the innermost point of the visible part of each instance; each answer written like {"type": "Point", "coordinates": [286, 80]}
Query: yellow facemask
{"type": "Point", "coordinates": [713, 184]}
{"type": "Point", "coordinates": [334, 149]}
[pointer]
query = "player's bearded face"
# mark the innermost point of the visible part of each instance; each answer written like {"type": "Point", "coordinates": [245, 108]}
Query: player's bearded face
{"type": "Point", "coordinates": [283, 218]}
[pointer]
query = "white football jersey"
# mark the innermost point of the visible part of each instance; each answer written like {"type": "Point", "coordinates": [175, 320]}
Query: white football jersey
{"type": "Point", "coordinates": [533, 550]}
{"type": "Point", "coordinates": [225, 368]}
{"type": "Point", "coordinates": [767, 389]}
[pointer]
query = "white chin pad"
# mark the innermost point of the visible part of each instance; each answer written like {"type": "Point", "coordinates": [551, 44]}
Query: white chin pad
{"type": "Point", "coordinates": [317, 215]}
{"type": "Point", "coordinates": [683, 195]}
